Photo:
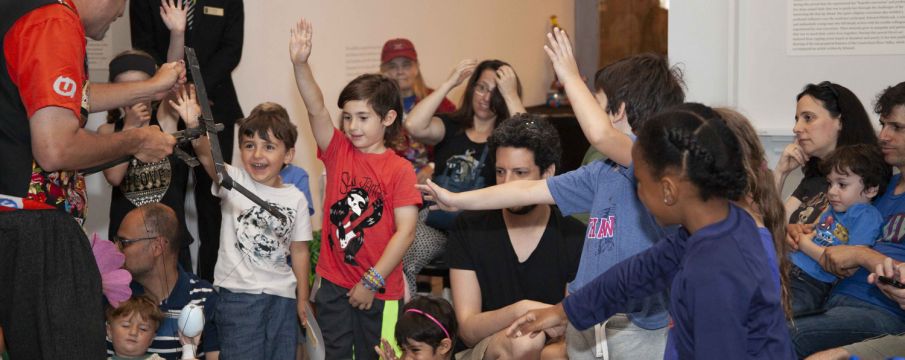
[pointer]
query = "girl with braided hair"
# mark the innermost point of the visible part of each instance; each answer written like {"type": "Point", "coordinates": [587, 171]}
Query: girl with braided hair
{"type": "Point", "coordinates": [724, 299]}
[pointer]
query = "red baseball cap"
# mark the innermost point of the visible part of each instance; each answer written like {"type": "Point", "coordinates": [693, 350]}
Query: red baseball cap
{"type": "Point", "coordinates": [398, 48]}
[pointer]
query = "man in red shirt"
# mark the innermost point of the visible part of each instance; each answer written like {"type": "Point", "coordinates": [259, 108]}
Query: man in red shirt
{"type": "Point", "coordinates": [50, 289]}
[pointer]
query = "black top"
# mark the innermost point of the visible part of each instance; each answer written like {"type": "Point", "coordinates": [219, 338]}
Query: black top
{"type": "Point", "coordinates": [217, 35]}
{"type": "Point", "coordinates": [457, 151]}
{"type": "Point", "coordinates": [479, 242]}
{"type": "Point", "coordinates": [812, 193]}
{"type": "Point", "coordinates": [164, 181]}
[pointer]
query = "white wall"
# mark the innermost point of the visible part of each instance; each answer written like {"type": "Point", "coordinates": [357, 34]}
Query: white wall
{"type": "Point", "coordinates": [444, 32]}
{"type": "Point", "coordinates": [733, 52]}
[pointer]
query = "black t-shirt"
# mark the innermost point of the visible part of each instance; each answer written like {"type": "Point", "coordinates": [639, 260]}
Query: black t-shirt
{"type": "Point", "coordinates": [812, 193]}
{"type": "Point", "coordinates": [456, 151]}
{"type": "Point", "coordinates": [479, 242]}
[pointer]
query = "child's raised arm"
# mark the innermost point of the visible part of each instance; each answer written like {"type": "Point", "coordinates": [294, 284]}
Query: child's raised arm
{"type": "Point", "coordinates": [299, 51]}
{"type": "Point", "coordinates": [173, 13]}
{"type": "Point", "coordinates": [596, 124]}
{"type": "Point", "coordinates": [510, 194]}
{"type": "Point", "coordinates": [186, 105]}
{"type": "Point", "coordinates": [421, 122]}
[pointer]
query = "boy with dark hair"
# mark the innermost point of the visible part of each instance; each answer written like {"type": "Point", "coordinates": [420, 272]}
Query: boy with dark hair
{"type": "Point", "coordinates": [506, 262]}
{"type": "Point", "coordinates": [370, 206]}
{"type": "Point", "coordinates": [262, 297]}
{"type": "Point", "coordinates": [619, 226]}
{"type": "Point", "coordinates": [856, 175]}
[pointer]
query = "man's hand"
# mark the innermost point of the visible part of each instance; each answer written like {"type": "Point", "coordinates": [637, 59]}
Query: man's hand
{"type": "Point", "coordinates": [893, 270]}
{"type": "Point", "coordinates": [169, 77]}
{"type": "Point", "coordinates": [841, 260]}
{"type": "Point", "coordinates": [155, 144]}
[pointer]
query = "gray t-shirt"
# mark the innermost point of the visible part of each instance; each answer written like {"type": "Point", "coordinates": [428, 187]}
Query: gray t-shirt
{"type": "Point", "coordinates": [619, 227]}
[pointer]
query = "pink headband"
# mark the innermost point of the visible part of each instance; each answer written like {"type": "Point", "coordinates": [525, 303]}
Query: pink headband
{"type": "Point", "coordinates": [416, 311]}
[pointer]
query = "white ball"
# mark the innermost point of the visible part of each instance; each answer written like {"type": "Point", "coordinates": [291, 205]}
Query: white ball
{"type": "Point", "coordinates": [191, 320]}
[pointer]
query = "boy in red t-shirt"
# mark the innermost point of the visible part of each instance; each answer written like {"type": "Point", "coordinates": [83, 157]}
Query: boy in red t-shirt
{"type": "Point", "coordinates": [370, 207]}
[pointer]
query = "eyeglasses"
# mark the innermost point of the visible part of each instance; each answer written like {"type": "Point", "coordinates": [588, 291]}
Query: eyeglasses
{"type": "Point", "coordinates": [121, 242]}
{"type": "Point", "coordinates": [481, 89]}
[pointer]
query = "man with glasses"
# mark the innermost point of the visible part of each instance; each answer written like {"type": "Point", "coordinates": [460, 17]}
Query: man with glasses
{"type": "Point", "coordinates": [149, 237]}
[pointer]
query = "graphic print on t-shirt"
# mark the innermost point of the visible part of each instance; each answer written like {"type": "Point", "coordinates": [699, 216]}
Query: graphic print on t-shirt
{"type": "Point", "coordinates": [810, 208]}
{"type": "Point", "coordinates": [894, 230]}
{"type": "Point", "coordinates": [828, 230]}
{"type": "Point", "coordinates": [264, 238]}
{"type": "Point", "coordinates": [361, 208]}
{"type": "Point", "coordinates": [603, 228]}
{"type": "Point", "coordinates": [146, 183]}
{"type": "Point", "coordinates": [461, 168]}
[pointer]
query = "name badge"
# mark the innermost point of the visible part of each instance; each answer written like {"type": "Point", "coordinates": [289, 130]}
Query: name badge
{"type": "Point", "coordinates": [215, 11]}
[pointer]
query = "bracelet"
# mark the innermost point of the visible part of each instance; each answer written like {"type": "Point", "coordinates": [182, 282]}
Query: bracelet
{"type": "Point", "coordinates": [373, 281]}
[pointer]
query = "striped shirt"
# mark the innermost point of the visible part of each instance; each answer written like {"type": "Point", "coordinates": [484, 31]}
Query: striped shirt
{"type": "Point", "coordinates": [189, 289]}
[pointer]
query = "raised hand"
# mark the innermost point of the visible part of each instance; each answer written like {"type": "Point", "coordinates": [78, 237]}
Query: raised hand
{"type": "Point", "coordinates": [173, 13]}
{"type": "Point", "coordinates": [462, 71]}
{"type": "Point", "coordinates": [441, 197]}
{"type": "Point", "coordinates": [300, 41]}
{"type": "Point", "coordinates": [385, 350]}
{"type": "Point", "coordinates": [137, 115]}
{"type": "Point", "coordinates": [507, 81]}
{"type": "Point", "coordinates": [559, 50]}
{"type": "Point", "coordinates": [186, 105]}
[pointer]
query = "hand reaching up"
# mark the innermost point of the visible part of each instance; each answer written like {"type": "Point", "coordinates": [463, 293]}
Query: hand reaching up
{"type": "Point", "coordinates": [507, 81]}
{"type": "Point", "coordinates": [462, 71]}
{"type": "Point", "coordinates": [300, 42]}
{"type": "Point", "coordinates": [173, 13]}
{"type": "Point", "coordinates": [186, 104]}
{"type": "Point", "coordinates": [559, 50]}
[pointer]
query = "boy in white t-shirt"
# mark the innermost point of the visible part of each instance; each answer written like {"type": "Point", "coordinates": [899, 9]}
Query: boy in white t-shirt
{"type": "Point", "coordinates": [258, 315]}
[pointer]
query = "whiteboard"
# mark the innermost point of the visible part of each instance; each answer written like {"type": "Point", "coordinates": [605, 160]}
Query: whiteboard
{"type": "Point", "coordinates": [768, 80]}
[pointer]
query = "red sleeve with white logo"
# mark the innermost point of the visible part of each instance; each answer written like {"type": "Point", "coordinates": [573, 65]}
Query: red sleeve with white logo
{"type": "Point", "coordinates": [45, 56]}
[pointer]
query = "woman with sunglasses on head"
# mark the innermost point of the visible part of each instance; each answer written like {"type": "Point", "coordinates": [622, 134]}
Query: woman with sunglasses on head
{"type": "Point", "coordinates": [827, 116]}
